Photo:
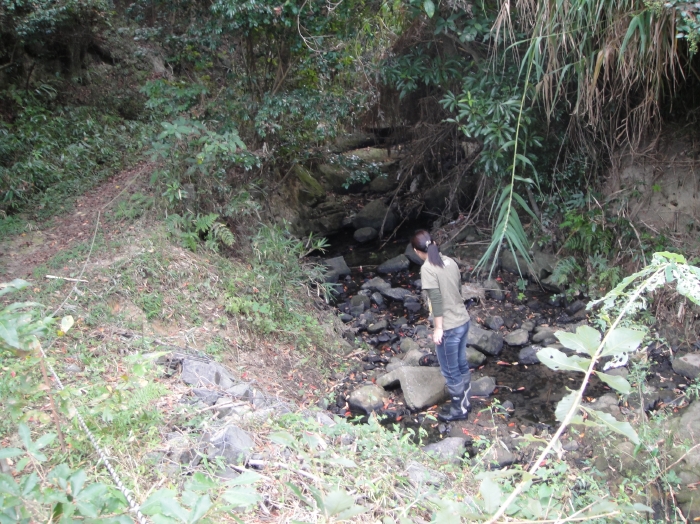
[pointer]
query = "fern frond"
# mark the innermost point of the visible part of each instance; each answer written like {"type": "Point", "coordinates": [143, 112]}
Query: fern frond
{"type": "Point", "coordinates": [204, 223]}
{"type": "Point", "coordinates": [223, 234]}
{"type": "Point", "coordinates": [564, 270]}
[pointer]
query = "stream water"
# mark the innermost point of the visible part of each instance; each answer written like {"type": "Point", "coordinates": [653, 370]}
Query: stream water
{"type": "Point", "coordinates": [529, 392]}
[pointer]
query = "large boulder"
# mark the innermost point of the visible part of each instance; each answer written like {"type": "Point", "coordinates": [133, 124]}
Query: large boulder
{"type": "Point", "coordinates": [488, 342]}
{"type": "Point", "coordinates": [365, 234]}
{"type": "Point", "coordinates": [422, 386]}
{"type": "Point", "coordinates": [475, 358]}
{"type": "Point", "coordinates": [367, 399]}
{"type": "Point", "coordinates": [337, 267]}
{"type": "Point", "coordinates": [383, 184]}
{"type": "Point", "coordinates": [372, 215]}
{"type": "Point", "coordinates": [336, 177]}
{"type": "Point", "coordinates": [200, 373]}
{"type": "Point", "coordinates": [411, 255]}
{"type": "Point", "coordinates": [450, 449]}
{"type": "Point", "coordinates": [231, 443]}
{"type": "Point", "coordinates": [394, 265]}
{"type": "Point", "coordinates": [311, 191]}
{"type": "Point", "coordinates": [687, 365]}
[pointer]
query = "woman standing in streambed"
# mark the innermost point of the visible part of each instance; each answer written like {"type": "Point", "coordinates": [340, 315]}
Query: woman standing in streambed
{"type": "Point", "coordinates": [440, 277]}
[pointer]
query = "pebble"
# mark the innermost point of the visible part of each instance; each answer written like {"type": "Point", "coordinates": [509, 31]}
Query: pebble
{"type": "Point", "coordinates": [519, 337]}
{"type": "Point", "coordinates": [495, 322]}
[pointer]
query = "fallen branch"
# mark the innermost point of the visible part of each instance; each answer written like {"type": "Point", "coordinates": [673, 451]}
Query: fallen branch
{"type": "Point", "coordinates": [66, 278]}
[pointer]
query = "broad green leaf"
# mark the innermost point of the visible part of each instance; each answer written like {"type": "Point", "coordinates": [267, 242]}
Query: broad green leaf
{"type": "Point", "coordinates": [585, 340]}
{"type": "Point", "coordinates": [25, 435]}
{"type": "Point", "coordinates": [44, 440]}
{"type": "Point", "coordinates": [87, 509]}
{"type": "Point", "coordinates": [241, 497]}
{"type": "Point", "coordinates": [337, 501]}
{"type": "Point", "coordinates": [77, 481]}
{"type": "Point", "coordinates": [429, 8]}
{"type": "Point", "coordinates": [66, 323]}
{"type": "Point", "coordinates": [616, 382]}
{"type": "Point", "coordinates": [151, 505]}
{"type": "Point", "coordinates": [353, 511]}
{"type": "Point", "coordinates": [299, 494]}
{"type": "Point", "coordinates": [16, 284]}
{"type": "Point", "coordinates": [29, 483]}
{"type": "Point", "coordinates": [10, 453]}
{"type": "Point", "coordinates": [491, 493]}
{"type": "Point", "coordinates": [608, 421]}
{"type": "Point", "coordinates": [199, 509]}
{"type": "Point", "coordinates": [171, 508]}
{"type": "Point", "coordinates": [247, 477]}
{"type": "Point", "coordinates": [283, 438]}
{"type": "Point", "coordinates": [8, 485]}
{"type": "Point", "coordinates": [556, 360]}
{"type": "Point", "coordinates": [200, 482]}
{"type": "Point", "coordinates": [8, 335]}
{"type": "Point", "coordinates": [622, 340]}
{"type": "Point", "coordinates": [564, 406]}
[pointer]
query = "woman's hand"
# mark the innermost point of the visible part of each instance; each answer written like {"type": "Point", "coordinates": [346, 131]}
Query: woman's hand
{"type": "Point", "coordinates": [437, 336]}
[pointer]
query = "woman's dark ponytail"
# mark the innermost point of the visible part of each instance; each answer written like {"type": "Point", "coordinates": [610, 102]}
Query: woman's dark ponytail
{"type": "Point", "coordinates": [421, 241]}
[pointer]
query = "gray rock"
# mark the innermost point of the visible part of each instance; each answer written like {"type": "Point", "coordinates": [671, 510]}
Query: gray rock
{"type": "Point", "coordinates": [399, 322]}
{"type": "Point", "coordinates": [377, 327]}
{"type": "Point", "coordinates": [239, 390]}
{"type": "Point", "coordinates": [519, 337]}
{"type": "Point", "coordinates": [450, 449]}
{"type": "Point", "coordinates": [383, 184]}
{"type": "Point", "coordinates": [688, 365]}
{"type": "Point", "coordinates": [473, 291]}
{"type": "Point", "coordinates": [419, 475]}
{"type": "Point", "coordinates": [376, 284]}
{"type": "Point", "coordinates": [488, 342]}
{"type": "Point", "coordinates": [528, 325]}
{"type": "Point", "coordinates": [497, 457]}
{"type": "Point", "coordinates": [394, 363]}
{"type": "Point", "coordinates": [508, 406]}
{"type": "Point", "coordinates": [360, 300]}
{"type": "Point", "coordinates": [649, 398]}
{"type": "Point", "coordinates": [575, 307]}
{"type": "Point", "coordinates": [394, 265]}
{"type": "Point", "coordinates": [365, 234]}
{"type": "Point", "coordinates": [475, 357]}
{"type": "Point", "coordinates": [608, 403]}
{"type": "Point", "coordinates": [231, 443]}
{"type": "Point", "coordinates": [482, 387]}
{"type": "Point", "coordinates": [620, 372]}
{"type": "Point", "coordinates": [372, 215]}
{"type": "Point", "coordinates": [495, 322]}
{"type": "Point", "coordinates": [411, 255]}
{"type": "Point", "coordinates": [413, 307]}
{"type": "Point", "coordinates": [540, 336]}
{"type": "Point", "coordinates": [408, 344]}
{"type": "Point", "coordinates": [571, 445]}
{"type": "Point", "coordinates": [421, 386]}
{"type": "Point", "coordinates": [345, 317]}
{"type": "Point", "coordinates": [528, 355]}
{"type": "Point", "coordinates": [413, 356]}
{"type": "Point", "coordinates": [395, 293]}
{"type": "Point", "coordinates": [367, 398]}
{"type": "Point", "coordinates": [73, 368]}
{"type": "Point", "coordinates": [337, 265]}
{"type": "Point", "coordinates": [377, 298]}
{"type": "Point", "coordinates": [356, 311]}
{"type": "Point", "coordinates": [494, 290]}
{"type": "Point", "coordinates": [688, 426]}
{"type": "Point", "coordinates": [207, 396]}
{"type": "Point", "coordinates": [199, 373]}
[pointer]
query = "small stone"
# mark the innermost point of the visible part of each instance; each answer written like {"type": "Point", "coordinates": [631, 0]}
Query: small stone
{"type": "Point", "coordinates": [345, 317]}
{"type": "Point", "coordinates": [206, 395]}
{"type": "Point", "coordinates": [519, 337]}
{"type": "Point", "coordinates": [413, 307]}
{"type": "Point", "coordinates": [494, 290]}
{"type": "Point", "coordinates": [231, 443]}
{"type": "Point", "coordinates": [420, 476]}
{"type": "Point", "coordinates": [394, 265]}
{"type": "Point", "coordinates": [411, 255]}
{"type": "Point", "coordinates": [367, 398]}
{"type": "Point", "coordinates": [395, 293]}
{"type": "Point", "coordinates": [475, 358]}
{"type": "Point", "coordinates": [408, 344]}
{"type": "Point", "coordinates": [528, 355]}
{"type": "Point", "coordinates": [572, 445]}
{"type": "Point", "coordinates": [497, 457]}
{"type": "Point", "coordinates": [337, 265]}
{"type": "Point", "coordinates": [360, 300]}
{"type": "Point", "coordinates": [399, 323]}
{"type": "Point", "coordinates": [377, 327]}
{"type": "Point", "coordinates": [528, 326]}
{"type": "Point", "coordinates": [473, 291]}
{"type": "Point", "coordinates": [199, 373]}
{"type": "Point", "coordinates": [421, 331]}
{"type": "Point", "coordinates": [495, 322]}
{"type": "Point", "coordinates": [376, 284]}
{"type": "Point", "coordinates": [377, 298]}
{"type": "Point", "coordinates": [488, 342]}
{"type": "Point", "coordinates": [365, 234]}
{"type": "Point", "coordinates": [482, 387]}
{"type": "Point", "coordinates": [356, 311]}
{"type": "Point", "coordinates": [73, 368]}
{"type": "Point", "coordinates": [508, 406]}
{"type": "Point", "coordinates": [450, 449]}
{"type": "Point", "coordinates": [575, 307]}
{"type": "Point", "coordinates": [540, 336]}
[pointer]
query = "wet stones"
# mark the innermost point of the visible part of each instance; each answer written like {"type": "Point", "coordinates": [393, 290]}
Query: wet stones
{"type": "Point", "coordinates": [421, 386]}
{"type": "Point", "coordinates": [408, 344]}
{"type": "Point", "coordinates": [367, 399]}
{"type": "Point", "coordinates": [376, 284]}
{"type": "Point", "coordinates": [475, 358]}
{"type": "Point", "coordinates": [494, 323]}
{"type": "Point", "coordinates": [482, 387]}
{"type": "Point", "coordinates": [377, 327]}
{"type": "Point", "coordinates": [575, 307]}
{"type": "Point", "coordinates": [365, 234]}
{"type": "Point", "coordinates": [377, 298]}
{"type": "Point", "coordinates": [494, 290]}
{"type": "Point", "coordinates": [395, 293]}
{"type": "Point", "coordinates": [337, 267]}
{"type": "Point", "coordinates": [544, 336]}
{"type": "Point", "coordinates": [394, 265]}
{"type": "Point", "coordinates": [358, 301]}
{"type": "Point", "coordinates": [519, 337]}
{"type": "Point", "coordinates": [528, 355]}
{"type": "Point", "coordinates": [411, 255]}
{"type": "Point", "coordinates": [488, 342]}
{"type": "Point", "coordinates": [687, 365]}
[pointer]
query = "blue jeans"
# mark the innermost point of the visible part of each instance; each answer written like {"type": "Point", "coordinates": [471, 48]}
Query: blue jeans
{"type": "Point", "coordinates": [452, 355]}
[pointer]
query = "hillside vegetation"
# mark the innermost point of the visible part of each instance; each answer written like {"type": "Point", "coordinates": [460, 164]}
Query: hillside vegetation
{"type": "Point", "coordinates": [145, 148]}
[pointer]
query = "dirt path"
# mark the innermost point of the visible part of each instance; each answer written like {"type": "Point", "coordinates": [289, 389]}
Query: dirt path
{"type": "Point", "coordinates": [21, 254]}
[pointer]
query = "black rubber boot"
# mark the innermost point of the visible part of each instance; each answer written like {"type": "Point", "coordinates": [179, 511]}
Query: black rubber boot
{"type": "Point", "coordinates": [445, 409]}
{"type": "Point", "coordinates": [459, 405]}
